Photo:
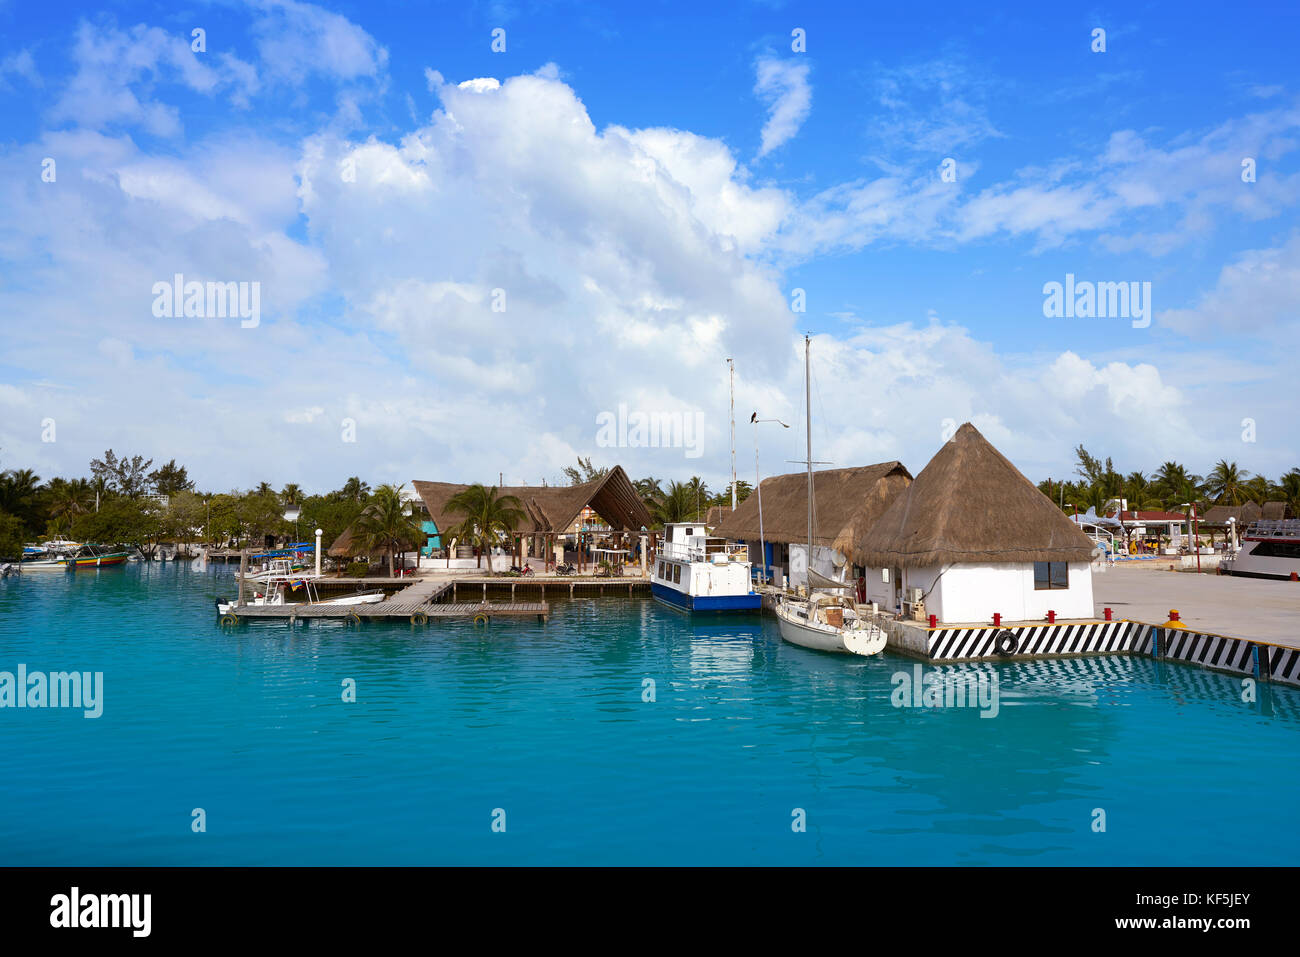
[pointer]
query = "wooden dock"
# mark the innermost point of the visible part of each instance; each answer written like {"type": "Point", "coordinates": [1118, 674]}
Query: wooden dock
{"type": "Point", "coordinates": [418, 603]}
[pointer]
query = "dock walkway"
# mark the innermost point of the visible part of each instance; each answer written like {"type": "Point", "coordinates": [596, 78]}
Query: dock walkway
{"type": "Point", "coordinates": [417, 602]}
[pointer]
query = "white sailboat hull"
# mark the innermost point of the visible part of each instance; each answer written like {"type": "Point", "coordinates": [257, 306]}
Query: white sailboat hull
{"type": "Point", "coordinates": [850, 641]}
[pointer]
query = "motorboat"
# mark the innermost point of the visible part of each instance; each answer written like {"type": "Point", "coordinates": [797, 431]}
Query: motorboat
{"type": "Point", "coordinates": [1269, 549]}
{"type": "Point", "coordinates": [275, 584]}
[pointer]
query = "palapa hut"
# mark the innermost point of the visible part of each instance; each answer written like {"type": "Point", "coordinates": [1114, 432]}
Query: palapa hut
{"type": "Point", "coordinates": [972, 537]}
{"type": "Point", "coordinates": [552, 511]}
{"type": "Point", "coordinates": [848, 502]}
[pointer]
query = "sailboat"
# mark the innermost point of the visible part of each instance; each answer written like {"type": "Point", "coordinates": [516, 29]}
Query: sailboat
{"type": "Point", "coordinates": [827, 619]}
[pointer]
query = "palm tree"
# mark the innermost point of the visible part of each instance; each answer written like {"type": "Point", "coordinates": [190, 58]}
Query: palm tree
{"type": "Point", "coordinates": [354, 489]}
{"type": "Point", "coordinates": [699, 494]}
{"type": "Point", "coordinates": [68, 499]}
{"type": "Point", "coordinates": [387, 524]}
{"type": "Point", "coordinates": [487, 517]}
{"type": "Point", "coordinates": [1176, 486]}
{"type": "Point", "coordinates": [1226, 484]}
{"type": "Point", "coordinates": [291, 494]}
{"type": "Point", "coordinates": [1288, 489]}
{"type": "Point", "coordinates": [1259, 490]}
{"type": "Point", "coordinates": [677, 504]}
{"type": "Point", "coordinates": [1139, 492]}
{"type": "Point", "coordinates": [18, 493]}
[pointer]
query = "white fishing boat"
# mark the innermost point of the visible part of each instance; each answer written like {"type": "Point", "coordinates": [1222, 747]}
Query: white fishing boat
{"type": "Point", "coordinates": [1269, 549]}
{"type": "Point", "coordinates": [819, 619]}
{"type": "Point", "coordinates": [275, 584]}
{"type": "Point", "coordinates": [49, 556]}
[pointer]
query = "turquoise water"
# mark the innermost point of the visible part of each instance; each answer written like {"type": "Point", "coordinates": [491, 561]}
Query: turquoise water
{"type": "Point", "coordinates": [547, 723]}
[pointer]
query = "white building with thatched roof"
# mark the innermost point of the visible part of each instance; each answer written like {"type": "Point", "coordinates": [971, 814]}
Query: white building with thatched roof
{"type": "Point", "coordinates": [972, 537]}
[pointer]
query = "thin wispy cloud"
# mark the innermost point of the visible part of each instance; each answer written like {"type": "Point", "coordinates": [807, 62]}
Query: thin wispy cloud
{"type": "Point", "coordinates": [782, 85]}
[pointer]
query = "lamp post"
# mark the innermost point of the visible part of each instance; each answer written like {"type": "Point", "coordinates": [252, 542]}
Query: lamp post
{"type": "Point", "coordinates": [758, 490]}
{"type": "Point", "coordinates": [319, 533]}
{"type": "Point", "coordinates": [1191, 526]}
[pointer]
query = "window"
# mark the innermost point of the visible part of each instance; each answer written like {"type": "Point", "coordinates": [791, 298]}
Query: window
{"type": "Point", "coordinates": [677, 574]}
{"type": "Point", "coordinates": [1049, 575]}
{"type": "Point", "coordinates": [884, 575]}
{"type": "Point", "coordinates": [1277, 550]}
{"type": "Point", "coordinates": [661, 569]}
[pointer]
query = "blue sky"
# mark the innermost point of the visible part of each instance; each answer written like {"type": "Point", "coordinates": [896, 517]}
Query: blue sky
{"type": "Point", "coordinates": [647, 187]}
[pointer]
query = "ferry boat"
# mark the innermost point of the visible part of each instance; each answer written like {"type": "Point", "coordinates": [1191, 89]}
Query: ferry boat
{"type": "Point", "coordinates": [695, 571]}
{"type": "Point", "coordinates": [1269, 549]}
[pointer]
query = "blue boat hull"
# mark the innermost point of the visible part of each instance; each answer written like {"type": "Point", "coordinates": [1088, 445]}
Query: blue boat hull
{"type": "Point", "coordinates": [706, 603]}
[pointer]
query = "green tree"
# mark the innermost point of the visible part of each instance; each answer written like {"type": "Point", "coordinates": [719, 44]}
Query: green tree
{"type": "Point", "coordinates": [122, 521]}
{"type": "Point", "coordinates": [487, 517]}
{"type": "Point", "coordinates": [584, 472]}
{"type": "Point", "coordinates": [355, 490]}
{"type": "Point", "coordinates": [19, 496]}
{"type": "Point", "coordinates": [1226, 484]}
{"type": "Point", "coordinates": [386, 524]}
{"type": "Point", "coordinates": [11, 537]}
{"type": "Point", "coordinates": [170, 478]}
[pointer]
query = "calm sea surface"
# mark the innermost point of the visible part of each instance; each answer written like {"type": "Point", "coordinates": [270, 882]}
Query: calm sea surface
{"type": "Point", "coordinates": [454, 725]}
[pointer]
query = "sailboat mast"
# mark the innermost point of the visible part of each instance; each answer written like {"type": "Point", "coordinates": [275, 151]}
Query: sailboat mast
{"type": "Point", "coordinates": [732, 364]}
{"type": "Point", "coordinates": [807, 402]}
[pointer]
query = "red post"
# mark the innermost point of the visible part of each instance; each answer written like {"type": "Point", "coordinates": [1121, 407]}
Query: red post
{"type": "Point", "coordinates": [1173, 615]}
{"type": "Point", "coordinates": [934, 619]}
{"type": "Point", "coordinates": [1108, 613]}
{"type": "Point", "coordinates": [997, 619]}
{"type": "Point", "coordinates": [1051, 617]}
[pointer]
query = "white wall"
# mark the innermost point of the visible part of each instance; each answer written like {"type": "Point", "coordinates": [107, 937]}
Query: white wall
{"type": "Point", "coordinates": [972, 593]}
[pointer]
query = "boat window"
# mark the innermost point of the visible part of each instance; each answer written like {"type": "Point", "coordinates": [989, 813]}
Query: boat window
{"type": "Point", "coordinates": [677, 574]}
{"type": "Point", "coordinates": [1277, 550]}
{"type": "Point", "coordinates": [1051, 575]}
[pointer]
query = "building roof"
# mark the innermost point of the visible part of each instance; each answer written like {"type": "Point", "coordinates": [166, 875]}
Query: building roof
{"type": "Point", "coordinates": [553, 508]}
{"type": "Point", "coordinates": [1244, 514]}
{"type": "Point", "coordinates": [546, 508]}
{"type": "Point", "coordinates": [1140, 516]}
{"type": "Point", "coordinates": [848, 501]}
{"type": "Point", "coordinates": [970, 504]}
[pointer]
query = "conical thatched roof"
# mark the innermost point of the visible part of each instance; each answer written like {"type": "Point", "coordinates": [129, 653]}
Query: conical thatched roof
{"type": "Point", "coordinates": [972, 505]}
{"type": "Point", "coordinates": [848, 500]}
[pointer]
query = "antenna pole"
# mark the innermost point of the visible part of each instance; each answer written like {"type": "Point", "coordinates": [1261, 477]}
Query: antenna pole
{"type": "Point", "coordinates": [732, 364]}
{"type": "Point", "coordinates": [807, 401]}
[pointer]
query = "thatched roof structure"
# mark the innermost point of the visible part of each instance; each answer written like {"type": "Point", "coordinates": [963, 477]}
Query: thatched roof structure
{"type": "Point", "coordinates": [548, 509]}
{"type": "Point", "coordinates": [1244, 514]}
{"type": "Point", "coordinates": [848, 502]}
{"type": "Point", "coordinates": [343, 546]}
{"type": "Point", "coordinates": [552, 508]}
{"type": "Point", "coordinates": [970, 504]}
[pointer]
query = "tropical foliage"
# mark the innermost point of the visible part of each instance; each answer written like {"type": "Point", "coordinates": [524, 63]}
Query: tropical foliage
{"type": "Point", "coordinates": [1172, 487]}
{"type": "Point", "coordinates": [488, 518]}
